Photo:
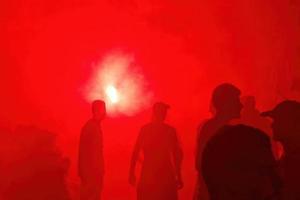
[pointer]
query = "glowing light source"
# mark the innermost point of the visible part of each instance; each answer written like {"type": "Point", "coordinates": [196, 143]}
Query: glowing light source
{"type": "Point", "coordinates": [112, 94]}
{"type": "Point", "coordinates": [117, 80]}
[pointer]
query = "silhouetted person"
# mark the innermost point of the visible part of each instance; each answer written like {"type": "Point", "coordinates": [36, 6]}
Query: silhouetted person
{"type": "Point", "coordinates": [286, 129]}
{"type": "Point", "coordinates": [250, 116]}
{"type": "Point", "coordinates": [227, 106]}
{"type": "Point", "coordinates": [161, 167]}
{"type": "Point", "coordinates": [238, 164]}
{"type": "Point", "coordinates": [91, 162]}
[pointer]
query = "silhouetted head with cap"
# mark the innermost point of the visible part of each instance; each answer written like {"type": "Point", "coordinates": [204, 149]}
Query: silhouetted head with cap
{"type": "Point", "coordinates": [98, 110]}
{"type": "Point", "coordinates": [226, 101]}
{"type": "Point", "coordinates": [160, 110]}
{"type": "Point", "coordinates": [286, 122]}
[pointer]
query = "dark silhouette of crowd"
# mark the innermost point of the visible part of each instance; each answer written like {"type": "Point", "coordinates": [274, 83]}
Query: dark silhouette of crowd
{"type": "Point", "coordinates": [237, 155]}
{"type": "Point", "coordinates": [236, 158]}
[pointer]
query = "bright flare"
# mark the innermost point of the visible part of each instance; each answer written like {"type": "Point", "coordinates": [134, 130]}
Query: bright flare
{"type": "Point", "coordinates": [112, 94]}
{"type": "Point", "coordinates": [117, 80]}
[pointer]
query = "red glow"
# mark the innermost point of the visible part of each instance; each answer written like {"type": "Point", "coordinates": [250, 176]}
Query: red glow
{"type": "Point", "coordinates": [58, 56]}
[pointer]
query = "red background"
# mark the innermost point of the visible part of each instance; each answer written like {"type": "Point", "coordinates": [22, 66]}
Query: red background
{"type": "Point", "coordinates": [183, 48]}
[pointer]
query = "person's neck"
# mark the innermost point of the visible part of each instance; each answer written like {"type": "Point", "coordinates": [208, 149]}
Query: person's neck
{"type": "Point", "coordinates": [157, 121]}
{"type": "Point", "coordinates": [96, 120]}
{"type": "Point", "coordinates": [224, 117]}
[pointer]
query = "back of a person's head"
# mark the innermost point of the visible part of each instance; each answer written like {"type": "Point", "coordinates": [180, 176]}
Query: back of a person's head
{"type": "Point", "coordinates": [160, 111]}
{"type": "Point", "coordinates": [98, 109]}
{"type": "Point", "coordinates": [224, 96]}
{"type": "Point", "coordinates": [233, 161]}
{"type": "Point", "coordinates": [97, 104]}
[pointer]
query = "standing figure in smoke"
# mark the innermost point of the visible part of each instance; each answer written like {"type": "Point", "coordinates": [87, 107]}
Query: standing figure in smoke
{"type": "Point", "coordinates": [91, 162]}
{"type": "Point", "coordinates": [227, 105]}
{"type": "Point", "coordinates": [286, 129]}
{"type": "Point", "coordinates": [250, 116]}
{"type": "Point", "coordinates": [161, 168]}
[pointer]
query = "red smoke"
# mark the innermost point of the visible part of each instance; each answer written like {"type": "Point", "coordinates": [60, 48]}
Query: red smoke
{"type": "Point", "coordinates": [53, 51]}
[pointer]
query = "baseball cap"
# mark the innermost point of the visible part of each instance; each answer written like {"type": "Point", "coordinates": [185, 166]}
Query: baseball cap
{"type": "Point", "coordinates": [286, 108]}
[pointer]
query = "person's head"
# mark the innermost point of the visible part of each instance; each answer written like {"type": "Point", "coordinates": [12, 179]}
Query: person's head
{"type": "Point", "coordinates": [160, 110]}
{"type": "Point", "coordinates": [236, 161]}
{"type": "Point", "coordinates": [226, 100]}
{"type": "Point", "coordinates": [98, 110]}
{"type": "Point", "coordinates": [286, 121]}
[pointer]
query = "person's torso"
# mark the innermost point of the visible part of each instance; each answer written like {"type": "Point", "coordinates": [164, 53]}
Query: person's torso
{"type": "Point", "coordinates": [157, 147]}
{"type": "Point", "coordinates": [91, 148]}
{"type": "Point", "coordinates": [290, 167]}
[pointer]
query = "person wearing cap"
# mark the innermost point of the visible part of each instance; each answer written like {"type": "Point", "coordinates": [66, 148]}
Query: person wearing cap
{"type": "Point", "coordinates": [162, 157]}
{"type": "Point", "coordinates": [91, 161]}
{"type": "Point", "coordinates": [286, 129]}
{"type": "Point", "coordinates": [227, 105]}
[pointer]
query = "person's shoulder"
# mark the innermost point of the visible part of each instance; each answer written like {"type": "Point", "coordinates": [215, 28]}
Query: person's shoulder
{"type": "Point", "coordinates": [169, 128]}
{"type": "Point", "coordinates": [260, 135]}
{"type": "Point", "coordinates": [90, 124]}
{"type": "Point", "coordinates": [203, 123]}
{"type": "Point", "coordinates": [207, 124]}
{"type": "Point", "coordinates": [146, 126]}
{"type": "Point", "coordinates": [211, 121]}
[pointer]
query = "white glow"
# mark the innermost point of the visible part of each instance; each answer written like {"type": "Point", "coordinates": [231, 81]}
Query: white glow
{"type": "Point", "coordinates": [112, 94]}
{"type": "Point", "coordinates": [117, 81]}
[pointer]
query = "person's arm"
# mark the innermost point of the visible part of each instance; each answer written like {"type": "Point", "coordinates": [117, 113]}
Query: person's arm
{"type": "Point", "coordinates": [178, 157]}
{"type": "Point", "coordinates": [199, 148]}
{"type": "Point", "coordinates": [201, 139]}
{"type": "Point", "coordinates": [272, 171]}
{"type": "Point", "coordinates": [82, 153]}
{"type": "Point", "coordinates": [134, 159]}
